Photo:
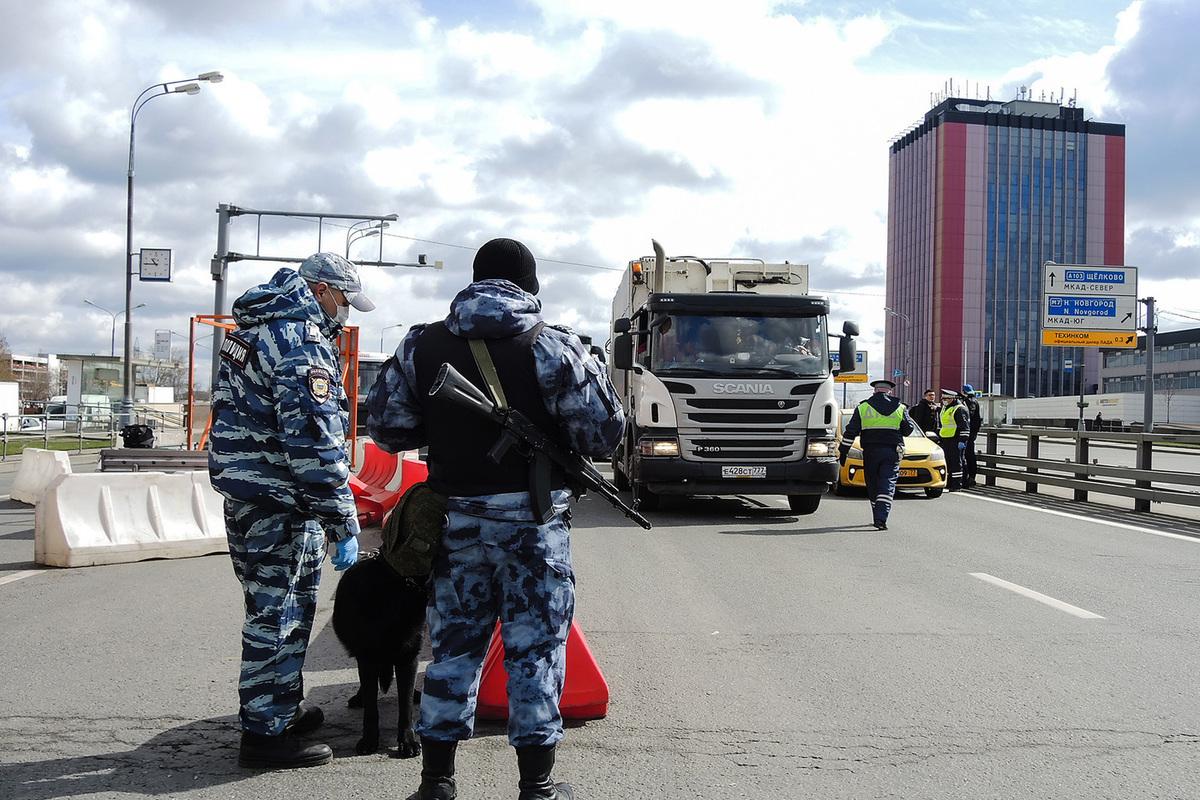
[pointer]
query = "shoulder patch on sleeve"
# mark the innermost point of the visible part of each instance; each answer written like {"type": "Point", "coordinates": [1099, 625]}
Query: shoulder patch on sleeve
{"type": "Point", "coordinates": [319, 382]}
{"type": "Point", "coordinates": [312, 332]}
{"type": "Point", "coordinates": [235, 351]}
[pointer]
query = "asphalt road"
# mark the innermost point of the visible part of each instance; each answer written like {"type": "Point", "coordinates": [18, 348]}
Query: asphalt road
{"type": "Point", "coordinates": [750, 653]}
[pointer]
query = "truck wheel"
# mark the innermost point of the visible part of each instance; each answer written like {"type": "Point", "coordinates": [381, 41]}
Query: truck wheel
{"type": "Point", "coordinates": [647, 500]}
{"type": "Point", "coordinates": [932, 493]}
{"type": "Point", "coordinates": [619, 479]}
{"type": "Point", "coordinates": [804, 503]}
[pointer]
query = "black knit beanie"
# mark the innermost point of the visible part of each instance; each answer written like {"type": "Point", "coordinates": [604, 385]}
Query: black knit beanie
{"type": "Point", "coordinates": [507, 259]}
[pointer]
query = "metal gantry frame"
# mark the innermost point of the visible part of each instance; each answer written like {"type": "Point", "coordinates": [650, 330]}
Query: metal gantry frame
{"type": "Point", "coordinates": [223, 256]}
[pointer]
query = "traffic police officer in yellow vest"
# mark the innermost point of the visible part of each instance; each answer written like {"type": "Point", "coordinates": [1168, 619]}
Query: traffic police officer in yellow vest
{"type": "Point", "coordinates": [880, 422]}
{"type": "Point", "coordinates": [953, 435]}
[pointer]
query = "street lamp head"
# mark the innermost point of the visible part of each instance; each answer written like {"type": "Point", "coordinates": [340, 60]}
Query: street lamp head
{"type": "Point", "coordinates": [391, 217]}
{"type": "Point", "coordinates": [188, 88]}
{"type": "Point", "coordinates": [139, 305]}
{"type": "Point", "coordinates": [211, 77]}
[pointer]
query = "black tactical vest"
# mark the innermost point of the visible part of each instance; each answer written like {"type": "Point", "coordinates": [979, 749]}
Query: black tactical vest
{"type": "Point", "coordinates": [459, 439]}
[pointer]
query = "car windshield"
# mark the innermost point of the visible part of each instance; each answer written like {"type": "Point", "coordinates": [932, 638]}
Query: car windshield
{"type": "Point", "coordinates": [690, 344]}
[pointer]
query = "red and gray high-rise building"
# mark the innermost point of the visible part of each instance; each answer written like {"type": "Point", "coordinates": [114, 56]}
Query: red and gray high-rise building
{"type": "Point", "coordinates": [980, 195]}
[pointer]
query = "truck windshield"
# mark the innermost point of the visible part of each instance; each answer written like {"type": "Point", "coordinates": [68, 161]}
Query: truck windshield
{"type": "Point", "coordinates": [726, 345]}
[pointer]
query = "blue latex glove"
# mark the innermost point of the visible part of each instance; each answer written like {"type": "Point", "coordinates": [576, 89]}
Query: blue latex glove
{"type": "Point", "coordinates": [962, 447]}
{"type": "Point", "coordinates": [346, 553]}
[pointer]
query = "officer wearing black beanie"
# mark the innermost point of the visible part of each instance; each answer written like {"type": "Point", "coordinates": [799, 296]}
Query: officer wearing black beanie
{"type": "Point", "coordinates": [496, 553]}
{"type": "Point", "coordinates": [507, 259]}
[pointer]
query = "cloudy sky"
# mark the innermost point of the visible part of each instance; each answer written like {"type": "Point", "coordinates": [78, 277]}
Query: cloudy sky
{"type": "Point", "coordinates": [749, 128]}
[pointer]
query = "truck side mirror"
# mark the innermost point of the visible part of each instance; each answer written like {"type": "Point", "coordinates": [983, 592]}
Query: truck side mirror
{"type": "Point", "coordinates": [622, 325]}
{"type": "Point", "coordinates": [846, 352]}
{"type": "Point", "coordinates": [850, 328]}
{"type": "Point", "coordinates": [623, 351]}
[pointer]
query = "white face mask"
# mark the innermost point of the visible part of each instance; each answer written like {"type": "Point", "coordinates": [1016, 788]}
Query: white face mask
{"type": "Point", "coordinates": [343, 315]}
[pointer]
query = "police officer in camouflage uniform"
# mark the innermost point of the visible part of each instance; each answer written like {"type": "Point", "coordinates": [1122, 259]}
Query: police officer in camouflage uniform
{"type": "Point", "coordinates": [277, 454]}
{"type": "Point", "coordinates": [497, 561]}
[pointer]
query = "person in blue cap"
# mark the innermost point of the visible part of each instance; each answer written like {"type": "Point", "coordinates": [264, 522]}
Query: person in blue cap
{"type": "Point", "coordinates": [498, 559]}
{"type": "Point", "coordinates": [953, 435]}
{"type": "Point", "coordinates": [976, 422]}
{"type": "Point", "coordinates": [277, 454]}
{"type": "Point", "coordinates": [880, 422]}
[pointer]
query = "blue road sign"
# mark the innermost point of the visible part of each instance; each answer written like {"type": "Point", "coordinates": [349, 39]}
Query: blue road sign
{"type": "Point", "coordinates": [1080, 306]}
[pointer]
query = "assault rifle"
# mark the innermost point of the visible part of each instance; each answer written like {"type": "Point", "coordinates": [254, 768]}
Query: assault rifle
{"type": "Point", "coordinates": [542, 452]}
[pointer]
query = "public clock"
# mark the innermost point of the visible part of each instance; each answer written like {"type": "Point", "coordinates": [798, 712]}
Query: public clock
{"type": "Point", "coordinates": [155, 264]}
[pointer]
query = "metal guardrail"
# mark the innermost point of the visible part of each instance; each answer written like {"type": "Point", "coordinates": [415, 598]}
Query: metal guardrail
{"type": "Point", "coordinates": [84, 427]}
{"type": "Point", "coordinates": [1143, 483]}
{"type": "Point", "coordinates": [151, 459]}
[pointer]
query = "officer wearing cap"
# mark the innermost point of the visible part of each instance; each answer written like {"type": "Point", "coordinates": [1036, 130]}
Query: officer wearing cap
{"type": "Point", "coordinates": [277, 454]}
{"type": "Point", "coordinates": [880, 422]}
{"type": "Point", "coordinates": [497, 560]}
{"type": "Point", "coordinates": [953, 434]}
{"type": "Point", "coordinates": [967, 393]}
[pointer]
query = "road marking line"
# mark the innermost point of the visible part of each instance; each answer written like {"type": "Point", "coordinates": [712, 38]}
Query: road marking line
{"type": "Point", "coordinates": [1110, 523]}
{"type": "Point", "coordinates": [1032, 595]}
{"type": "Point", "coordinates": [16, 576]}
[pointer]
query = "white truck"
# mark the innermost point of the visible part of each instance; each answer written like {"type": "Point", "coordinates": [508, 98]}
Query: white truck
{"type": "Point", "coordinates": [724, 371]}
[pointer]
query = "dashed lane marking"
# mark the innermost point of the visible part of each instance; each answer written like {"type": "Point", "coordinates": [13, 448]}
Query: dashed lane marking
{"type": "Point", "coordinates": [1080, 518]}
{"type": "Point", "coordinates": [1038, 596]}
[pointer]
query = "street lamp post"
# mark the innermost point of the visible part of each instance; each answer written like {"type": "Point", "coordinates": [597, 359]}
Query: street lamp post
{"type": "Point", "coordinates": [386, 327]}
{"type": "Point", "coordinates": [904, 356]}
{"type": "Point", "coordinates": [354, 233]}
{"type": "Point", "coordinates": [112, 345]}
{"type": "Point", "coordinates": [185, 86]}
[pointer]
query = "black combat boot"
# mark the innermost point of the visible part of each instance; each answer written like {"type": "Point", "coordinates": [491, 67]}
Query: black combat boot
{"type": "Point", "coordinates": [437, 771]}
{"type": "Point", "coordinates": [535, 764]}
{"type": "Point", "coordinates": [281, 752]}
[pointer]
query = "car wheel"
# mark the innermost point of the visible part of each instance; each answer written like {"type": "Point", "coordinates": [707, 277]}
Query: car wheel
{"type": "Point", "coordinates": [619, 479]}
{"type": "Point", "coordinates": [932, 493]}
{"type": "Point", "coordinates": [804, 503]}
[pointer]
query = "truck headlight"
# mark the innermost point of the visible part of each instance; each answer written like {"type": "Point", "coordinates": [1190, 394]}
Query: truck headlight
{"type": "Point", "coordinates": [821, 449]}
{"type": "Point", "coordinates": [662, 447]}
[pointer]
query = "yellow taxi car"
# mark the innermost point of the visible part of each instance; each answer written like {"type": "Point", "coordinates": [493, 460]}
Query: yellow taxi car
{"type": "Point", "coordinates": [923, 465]}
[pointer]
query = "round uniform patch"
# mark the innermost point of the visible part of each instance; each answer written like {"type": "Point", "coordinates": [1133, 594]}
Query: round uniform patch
{"type": "Point", "coordinates": [318, 384]}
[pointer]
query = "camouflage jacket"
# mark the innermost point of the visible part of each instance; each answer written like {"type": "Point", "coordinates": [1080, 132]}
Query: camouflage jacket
{"type": "Point", "coordinates": [280, 414]}
{"type": "Point", "coordinates": [574, 386]}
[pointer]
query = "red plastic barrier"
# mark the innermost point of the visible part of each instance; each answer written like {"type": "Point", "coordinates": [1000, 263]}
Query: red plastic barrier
{"type": "Point", "coordinates": [585, 692]}
{"type": "Point", "coordinates": [371, 496]}
{"type": "Point", "coordinates": [378, 467]}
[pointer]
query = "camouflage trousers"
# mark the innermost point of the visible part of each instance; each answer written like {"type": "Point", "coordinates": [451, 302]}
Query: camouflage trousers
{"type": "Point", "coordinates": [519, 572]}
{"type": "Point", "coordinates": [277, 557]}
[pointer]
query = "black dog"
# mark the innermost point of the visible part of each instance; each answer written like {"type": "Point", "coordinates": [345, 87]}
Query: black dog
{"type": "Point", "coordinates": [379, 617]}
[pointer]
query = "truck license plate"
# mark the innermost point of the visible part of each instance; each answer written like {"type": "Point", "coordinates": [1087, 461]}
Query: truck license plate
{"type": "Point", "coordinates": [908, 473]}
{"type": "Point", "coordinates": [744, 472]}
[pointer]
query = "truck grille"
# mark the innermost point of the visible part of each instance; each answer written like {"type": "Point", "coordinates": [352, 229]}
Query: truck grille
{"type": "Point", "coordinates": [742, 429]}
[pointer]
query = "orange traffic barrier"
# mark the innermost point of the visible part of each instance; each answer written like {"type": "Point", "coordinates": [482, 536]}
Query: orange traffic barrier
{"type": "Point", "coordinates": [585, 692]}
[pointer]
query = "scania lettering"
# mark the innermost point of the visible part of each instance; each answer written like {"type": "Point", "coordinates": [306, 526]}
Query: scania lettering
{"type": "Point", "coordinates": [725, 374]}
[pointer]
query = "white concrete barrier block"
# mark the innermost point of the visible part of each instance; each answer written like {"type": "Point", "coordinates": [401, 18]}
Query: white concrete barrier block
{"type": "Point", "coordinates": [38, 470]}
{"type": "Point", "coordinates": [118, 517]}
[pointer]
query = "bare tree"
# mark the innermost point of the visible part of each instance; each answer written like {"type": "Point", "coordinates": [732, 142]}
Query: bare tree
{"type": "Point", "coordinates": [6, 373]}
